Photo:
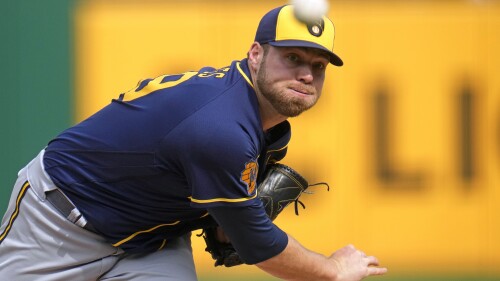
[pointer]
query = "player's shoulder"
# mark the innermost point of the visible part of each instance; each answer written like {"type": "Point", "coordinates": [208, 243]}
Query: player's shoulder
{"type": "Point", "coordinates": [219, 128]}
{"type": "Point", "coordinates": [230, 99]}
{"type": "Point", "coordinates": [215, 131]}
{"type": "Point", "coordinates": [225, 76]}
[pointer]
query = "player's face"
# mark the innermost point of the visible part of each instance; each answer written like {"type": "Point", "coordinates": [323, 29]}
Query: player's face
{"type": "Point", "coordinates": [291, 79]}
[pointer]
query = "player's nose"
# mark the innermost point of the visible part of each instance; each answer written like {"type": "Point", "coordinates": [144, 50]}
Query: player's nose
{"type": "Point", "coordinates": [305, 74]}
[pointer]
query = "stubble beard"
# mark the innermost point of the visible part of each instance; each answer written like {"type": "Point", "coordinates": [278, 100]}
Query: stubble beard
{"type": "Point", "coordinates": [285, 105]}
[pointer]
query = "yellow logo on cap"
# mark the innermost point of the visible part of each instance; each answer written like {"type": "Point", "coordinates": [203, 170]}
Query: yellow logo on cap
{"type": "Point", "coordinates": [288, 27]}
{"type": "Point", "coordinates": [316, 29]}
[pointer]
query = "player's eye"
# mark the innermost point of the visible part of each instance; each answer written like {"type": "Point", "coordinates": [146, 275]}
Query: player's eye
{"type": "Point", "coordinates": [319, 66]}
{"type": "Point", "coordinates": [293, 57]}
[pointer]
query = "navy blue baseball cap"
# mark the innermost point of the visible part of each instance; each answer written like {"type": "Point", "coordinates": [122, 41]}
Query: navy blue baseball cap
{"type": "Point", "coordinates": [281, 28]}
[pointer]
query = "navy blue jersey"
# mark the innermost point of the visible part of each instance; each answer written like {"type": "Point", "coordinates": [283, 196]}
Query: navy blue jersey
{"type": "Point", "coordinates": [148, 166]}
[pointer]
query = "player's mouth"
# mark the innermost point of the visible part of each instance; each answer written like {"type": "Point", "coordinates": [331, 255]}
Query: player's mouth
{"type": "Point", "coordinates": [301, 91]}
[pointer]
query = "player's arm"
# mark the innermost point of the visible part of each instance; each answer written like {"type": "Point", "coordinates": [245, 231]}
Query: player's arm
{"type": "Point", "coordinates": [250, 231]}
{"type": "Point", "coordinates": [258, 241]}
{"type": "Point", "coordinates": [298, 263]}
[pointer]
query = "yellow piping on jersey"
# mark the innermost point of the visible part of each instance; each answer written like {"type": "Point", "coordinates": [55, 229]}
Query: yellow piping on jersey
{"type": "Point", "coordinates": [269, 156]}
{"type": "Point", "coordinates": [143, 231]}
{"type": "Point", "coordinates": [244, 74]}
{"type": "Point", "coordinates": [25, 187]}
{"type": "Point", "coordinates": [163, 244]}
{"type": "Point", "coordinates": [278, 149]}
{"type": "Point", "coordinates": [222, 199]}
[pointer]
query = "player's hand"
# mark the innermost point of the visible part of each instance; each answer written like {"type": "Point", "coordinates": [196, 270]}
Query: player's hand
{"type": "Point", "coordinates": [353, 265]}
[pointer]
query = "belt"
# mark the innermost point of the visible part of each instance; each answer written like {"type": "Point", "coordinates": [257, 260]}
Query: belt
{"type": "Point", "coordinates": [62, 203]}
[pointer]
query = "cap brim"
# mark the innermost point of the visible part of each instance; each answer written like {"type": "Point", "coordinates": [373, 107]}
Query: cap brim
{"type": "Point", "coordinates": [334, 59]}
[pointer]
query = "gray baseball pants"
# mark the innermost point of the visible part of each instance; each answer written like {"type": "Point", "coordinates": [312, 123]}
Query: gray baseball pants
{"type": "Point", "coordinates": [38, 243]}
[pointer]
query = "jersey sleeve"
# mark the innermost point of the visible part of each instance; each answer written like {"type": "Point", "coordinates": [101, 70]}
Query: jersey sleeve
{"type": "Point", "coordinates": [219, 162]}
{"type": "Point", "coordinates": [254, 236]}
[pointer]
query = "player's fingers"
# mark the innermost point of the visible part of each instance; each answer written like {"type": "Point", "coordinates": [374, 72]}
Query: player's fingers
{"type": "Point", "coordinates": [350, 247]}
{"type": "Point", "coordinates": [372, 260]}
{"type": "Point", "coordinates": [377, 271]}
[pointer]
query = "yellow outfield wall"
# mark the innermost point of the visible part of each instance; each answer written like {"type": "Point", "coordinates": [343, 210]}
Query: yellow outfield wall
{"type": "Point", "coordinates": [407, 133]}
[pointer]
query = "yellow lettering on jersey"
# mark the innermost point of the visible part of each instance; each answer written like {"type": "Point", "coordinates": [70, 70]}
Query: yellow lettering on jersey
{"type": "Point", "coordinates": [209, 74]}
{"type": "Point", "coordinates": [156, 84]}
{"type": "Point", "coordinates": [219, 73]}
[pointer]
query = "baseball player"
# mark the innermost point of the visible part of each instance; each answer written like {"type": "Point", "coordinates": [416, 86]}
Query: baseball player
{"type": "Point", "coordinates": [116, 196]}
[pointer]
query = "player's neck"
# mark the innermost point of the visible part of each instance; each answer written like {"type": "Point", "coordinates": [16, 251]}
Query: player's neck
{"type": "Point", "coordinates": [271, 122]}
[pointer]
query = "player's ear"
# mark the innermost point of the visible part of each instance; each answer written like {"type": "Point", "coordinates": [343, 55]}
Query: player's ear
{"type": "Point", "coordinates": [255, 55]}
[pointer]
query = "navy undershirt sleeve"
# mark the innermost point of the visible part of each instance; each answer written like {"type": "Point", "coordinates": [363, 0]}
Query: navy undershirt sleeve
{"type": "Point", "coordinates": [254, 236]}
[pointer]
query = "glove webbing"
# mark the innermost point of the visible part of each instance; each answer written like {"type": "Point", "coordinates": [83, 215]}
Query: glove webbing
{"type": "Point", "coordinates": [298, 202]}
